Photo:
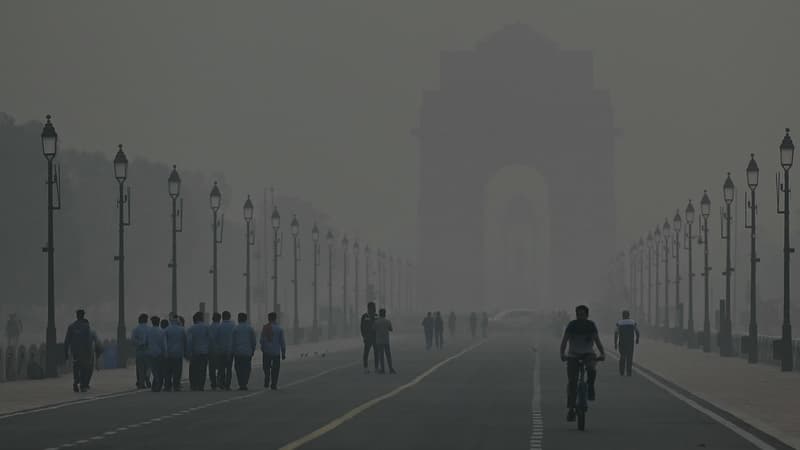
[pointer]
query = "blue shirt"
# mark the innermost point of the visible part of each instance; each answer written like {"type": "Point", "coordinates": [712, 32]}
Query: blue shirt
{"type": "Point", "coordinates": [199, 340]}
{"type": "Point", "coordinates": [156, 344]}
{"type": "Point", "coordinates": [139, 338]}
{"type": "Point", "coordinates": [176, 340]}
{"type": "Point", "coordinates": [276, 346]}
{"type": "Point", "coordinates": [244, 340]}
{"type": "Point", "coordinates": [225, 337]}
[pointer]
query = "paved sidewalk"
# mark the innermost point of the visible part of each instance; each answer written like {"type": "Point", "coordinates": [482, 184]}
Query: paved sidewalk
{"type": "Point", "coordinates": [33, 394]}
{"type": "Point", "coordinates": [758, 394]}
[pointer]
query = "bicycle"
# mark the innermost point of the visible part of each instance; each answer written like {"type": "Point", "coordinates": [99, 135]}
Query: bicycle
{"type": "Point", "coordinates": [582, 393]}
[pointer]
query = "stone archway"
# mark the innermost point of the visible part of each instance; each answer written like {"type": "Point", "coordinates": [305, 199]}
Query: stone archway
{"type": "Point", "coordinates": [514, 99]}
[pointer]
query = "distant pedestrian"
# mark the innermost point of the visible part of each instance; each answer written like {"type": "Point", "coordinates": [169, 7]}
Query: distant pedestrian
{"type": "Point", "coordinates": [438, 329]}
{"type": "Point", "coordinates": [176, 350]}
{"type": "Point", "coordinates": [273, 349]}
{"type": "Point", "coordinates": [13, 330]}
{"type": "Point", "coordinates": [139, 339]}
{"type": "Point", "coordinates": [80, 341]}
{"type": "Point", "coordinates": [451, 323]}
{"type": "Point", "coordinates": [626, 336]}
{"type": "Point", "coordinates": [473, 324]}
{"type": "Point", "coordinates": [198, 341]}
{"type": "Point", "coordinates": [485, 325]}
{"type": "Point", "coordinates": [225, 342]}
{"type": "Point", "coordinates": [215, 354]}
{"type": "Point", "coordinates": [156, 353]}
{"type": "Point", "coordinates": [427, 327]}
{"type": "Point", "coordinates": [244, 345]}
{"type": "Point", "coordinates": [383, 327]}
{"type": "Point", "coordinates": [368, 335]}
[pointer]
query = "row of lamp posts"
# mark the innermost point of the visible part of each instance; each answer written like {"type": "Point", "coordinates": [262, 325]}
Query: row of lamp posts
{"type": "Point", "coordinates": [667, 238]}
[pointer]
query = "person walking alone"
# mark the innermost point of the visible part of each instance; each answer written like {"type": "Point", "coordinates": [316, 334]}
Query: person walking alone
{"type": "Point", "coordinates": [626, 336]}
{"type": "Point", "coordinates": [273, 349]}
{"type": "Point", "coordinates": [244, 345]}
{"type": "Point", "coordinates": [79, 341]}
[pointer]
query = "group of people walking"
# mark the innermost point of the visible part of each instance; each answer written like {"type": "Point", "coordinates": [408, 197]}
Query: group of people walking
{"type": "Point", "coordinates": [433, 326]}
{"type": "Point", "coordinates": [214, 351]}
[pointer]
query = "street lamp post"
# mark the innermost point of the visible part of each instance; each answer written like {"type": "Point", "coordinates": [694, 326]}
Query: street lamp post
{"type": "Point", "coordinates": [726, 341]}
{"type": "Point", "coordinates": [650, 246]}
{"type": "Point", "coordinates": [296, 318]}
{"type": "Point", "coordinates": [705, 211]}
{"type": "Point", "coordinates": [345, 244]}
{"type": "Point", "coordinates": [331, 328]}
{"type": "Point", "coordinates": [277, 248]}
{"type": "Point", "coordinates": [392, 298]}
{"type": "Point", "coordinates": [49, 150]}
{"type": "Point", "coordinates": [667, 230]}
{"type": "Point", "coordinates": [640, 264]}
{"type": "Point", "coordinates": [677, 223]}
{"type": "Point", "coordinates": [174, 185]}
{"type": "Point", "coordinates": [370, 288]}
{"type": "Point", "coordinates": [121, 174]}
{"type": "Point", "coordinates": [215, 199]}
{"type": "Point", "coordinates": [689, 216]}
{"type": "Point", "coordinates": [356, 251]}
{"type": "Point", "coordinates": [657, 246]}
{"type": "Point", "coordinates": [315, 320]}
{"type": "Point", "coordinates": [787, 158]}
{"type": "Point", "coordinates": [250, 240]}
{"type": "Point", "coordinates": [752, 183]}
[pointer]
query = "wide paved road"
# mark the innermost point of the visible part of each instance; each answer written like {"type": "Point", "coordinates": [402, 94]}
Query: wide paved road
{"type": "Point", "coordinates": [471, 395]}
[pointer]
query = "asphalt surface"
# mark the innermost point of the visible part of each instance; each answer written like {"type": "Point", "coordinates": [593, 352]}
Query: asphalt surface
{"type": "Point", "coordinates": [473, 394]}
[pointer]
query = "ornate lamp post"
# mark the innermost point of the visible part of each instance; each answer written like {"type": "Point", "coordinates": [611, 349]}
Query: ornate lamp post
{"type": "Point", "coordinates": [315, 323]}
{"type": "Point", "coordinates": [752, 183]}
{"type": "Point", "coordinates": [49, 150]}
{"type": "Point", "coordinates": [121, 174]}
{"type": "Point", "coordinates": [787, 158]}
{"type": "Point", "coordinates": [345, 245]}
{"type": "Point", "coordinates": [215, 199]}
{"type": "Point", "coordinates": [650, 247]}
{"type": "Point", "coordinates": [640, 265]}
{"type": "Point", "coordinates": [250, 240]}
{"type": "Point", "coordinates": [677, 224]}
{"type": "Point", "coordinates": [370, 288]}
{"type": "Point", "coordinates": [657, 246]}
{"type": "Point", "coordinates": [277, 247]}
{"type": "Point", "coordinates": [726, 338]}
{"type": "Point", "coordinates": [296, 318]}
{"type": "Point", "coordinates": [174, 187]}
{"type": "Point", "coordinates": [392, 300]}
{"type": "Point", "coordinates": [689, 216]}
{"type": "Point", "coordinates": [705, 211]}
{"type": "Point", "coordinates": [331, 326]}
{"type": "Point", "coordinates": [356, 251]}
{"type": "Point", "coordinates": [667, 230]}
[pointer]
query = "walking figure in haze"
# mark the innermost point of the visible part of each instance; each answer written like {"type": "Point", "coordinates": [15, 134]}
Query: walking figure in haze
{"type": "Point", "coordinates": [427, 326]}
{"type": "Point", "coordinates": [438, 329]}
{"type": "Point", "coordinates": [80, 341]}
{"type": "Point", "coordinates": [485, 325]}
{"type": "Point", "coordinates": [156, 353]}
{"type": "Point", "coordinates": [451, 324]}
{"type": "Point", "coordinates": [198, 342]}
{"type": "Point", "coordinates": [581, 335]}
{"type": "Point", "coordinates": [383, 327]}
{"type": "Point", "coordinates": [244, 346]}
{"type": "Point", "coordinates": [368, 335]}
{"type": "Point", "coordinates": [626, 336]}
{"type": "Point", "coordinates": [273, 348]}
{"type": "Point", "coordinates": [215, 353]}
{"type": "Point", "coordinates": [176, 350]}
{"type": "Point", "coordinates": [473, 324]}
{"type": "Point", "coordinates": [139, 339]}
{"type": "Point", "coordinates": [225, 346]}
{"type": "Point", "coordinates": [13, 330]}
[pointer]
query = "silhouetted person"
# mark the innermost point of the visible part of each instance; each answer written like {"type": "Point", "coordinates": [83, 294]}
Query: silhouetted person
{"type": "Point", "coordinates": [215, 353]}
{"type": "Point", "coordinates": [383, 327]}
{"type": "Point", "coordinates": [273, 349]}
{"type": "Point", "coordinates": [176, 350]}
{"type": "Point", "coordinates": [198, 341]}
{"type": "Point", "coordinates": [80, 341]}
{"type": "Point", "coordinates": [451, 323]}
{"type": "Point", "coordinates": [139, 340]}
{"type": "Point", "coordinates": [473, 324]}
{"type": "Point", "coordinates": [626, 336]}
{"type": "Point", "coordinates": [156, 353]}
{"type": "Point", "coordinates": [427, 327]}
{"type": "Point", "coordinates": [485, 325]}
{"type": "Point", "coordinates": [368, 335]}
{"type": "Point", "coordinates": [244, 345]}
{"type": "Point", "coordinates": [225, 342]}
{"type": "Point", "coordinates": [438, 329]}
{"type": "Point", "coordinates": [581, 335]}
{"type": "Point", "coordinates": [13, 330]}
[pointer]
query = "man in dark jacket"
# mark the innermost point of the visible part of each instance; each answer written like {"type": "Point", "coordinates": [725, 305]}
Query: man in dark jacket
{"type": "Point", "coordinates": [244, 345]}
{"type": "Point", "coordinates": [368, 335]}
{"type": "Point", "coordinates": [80, 341]}
{"type": "Point", "coordinates": [427, 326]}
{"type": "Point", "coordinates": [198, 342]}
{"type": "Point", "coordinates": [438, 329]}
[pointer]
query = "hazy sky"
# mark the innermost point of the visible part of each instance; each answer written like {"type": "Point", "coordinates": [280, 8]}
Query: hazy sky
{"type": "Point", "coordinates": [318, 98]}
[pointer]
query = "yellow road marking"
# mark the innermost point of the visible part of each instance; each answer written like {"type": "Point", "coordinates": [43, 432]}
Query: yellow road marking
{"type": "Point", "coordinates": [335, 423]}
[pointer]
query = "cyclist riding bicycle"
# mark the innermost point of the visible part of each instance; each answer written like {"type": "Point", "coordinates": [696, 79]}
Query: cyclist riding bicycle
{"type": "Point", "coordinates": [581, 335]}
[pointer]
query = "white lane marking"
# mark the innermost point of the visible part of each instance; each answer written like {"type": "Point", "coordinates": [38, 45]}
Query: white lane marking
{"type": "Point", "coordinates": [746, 435]}
{"type": "Point", "coordinates": [335, 423]}
{"type": "Point", "coordinates": [69, 403]}
{"type": "Point", "coordinates": [537, 428]}
{"type": "Point", "coordinates": [218, 402]}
